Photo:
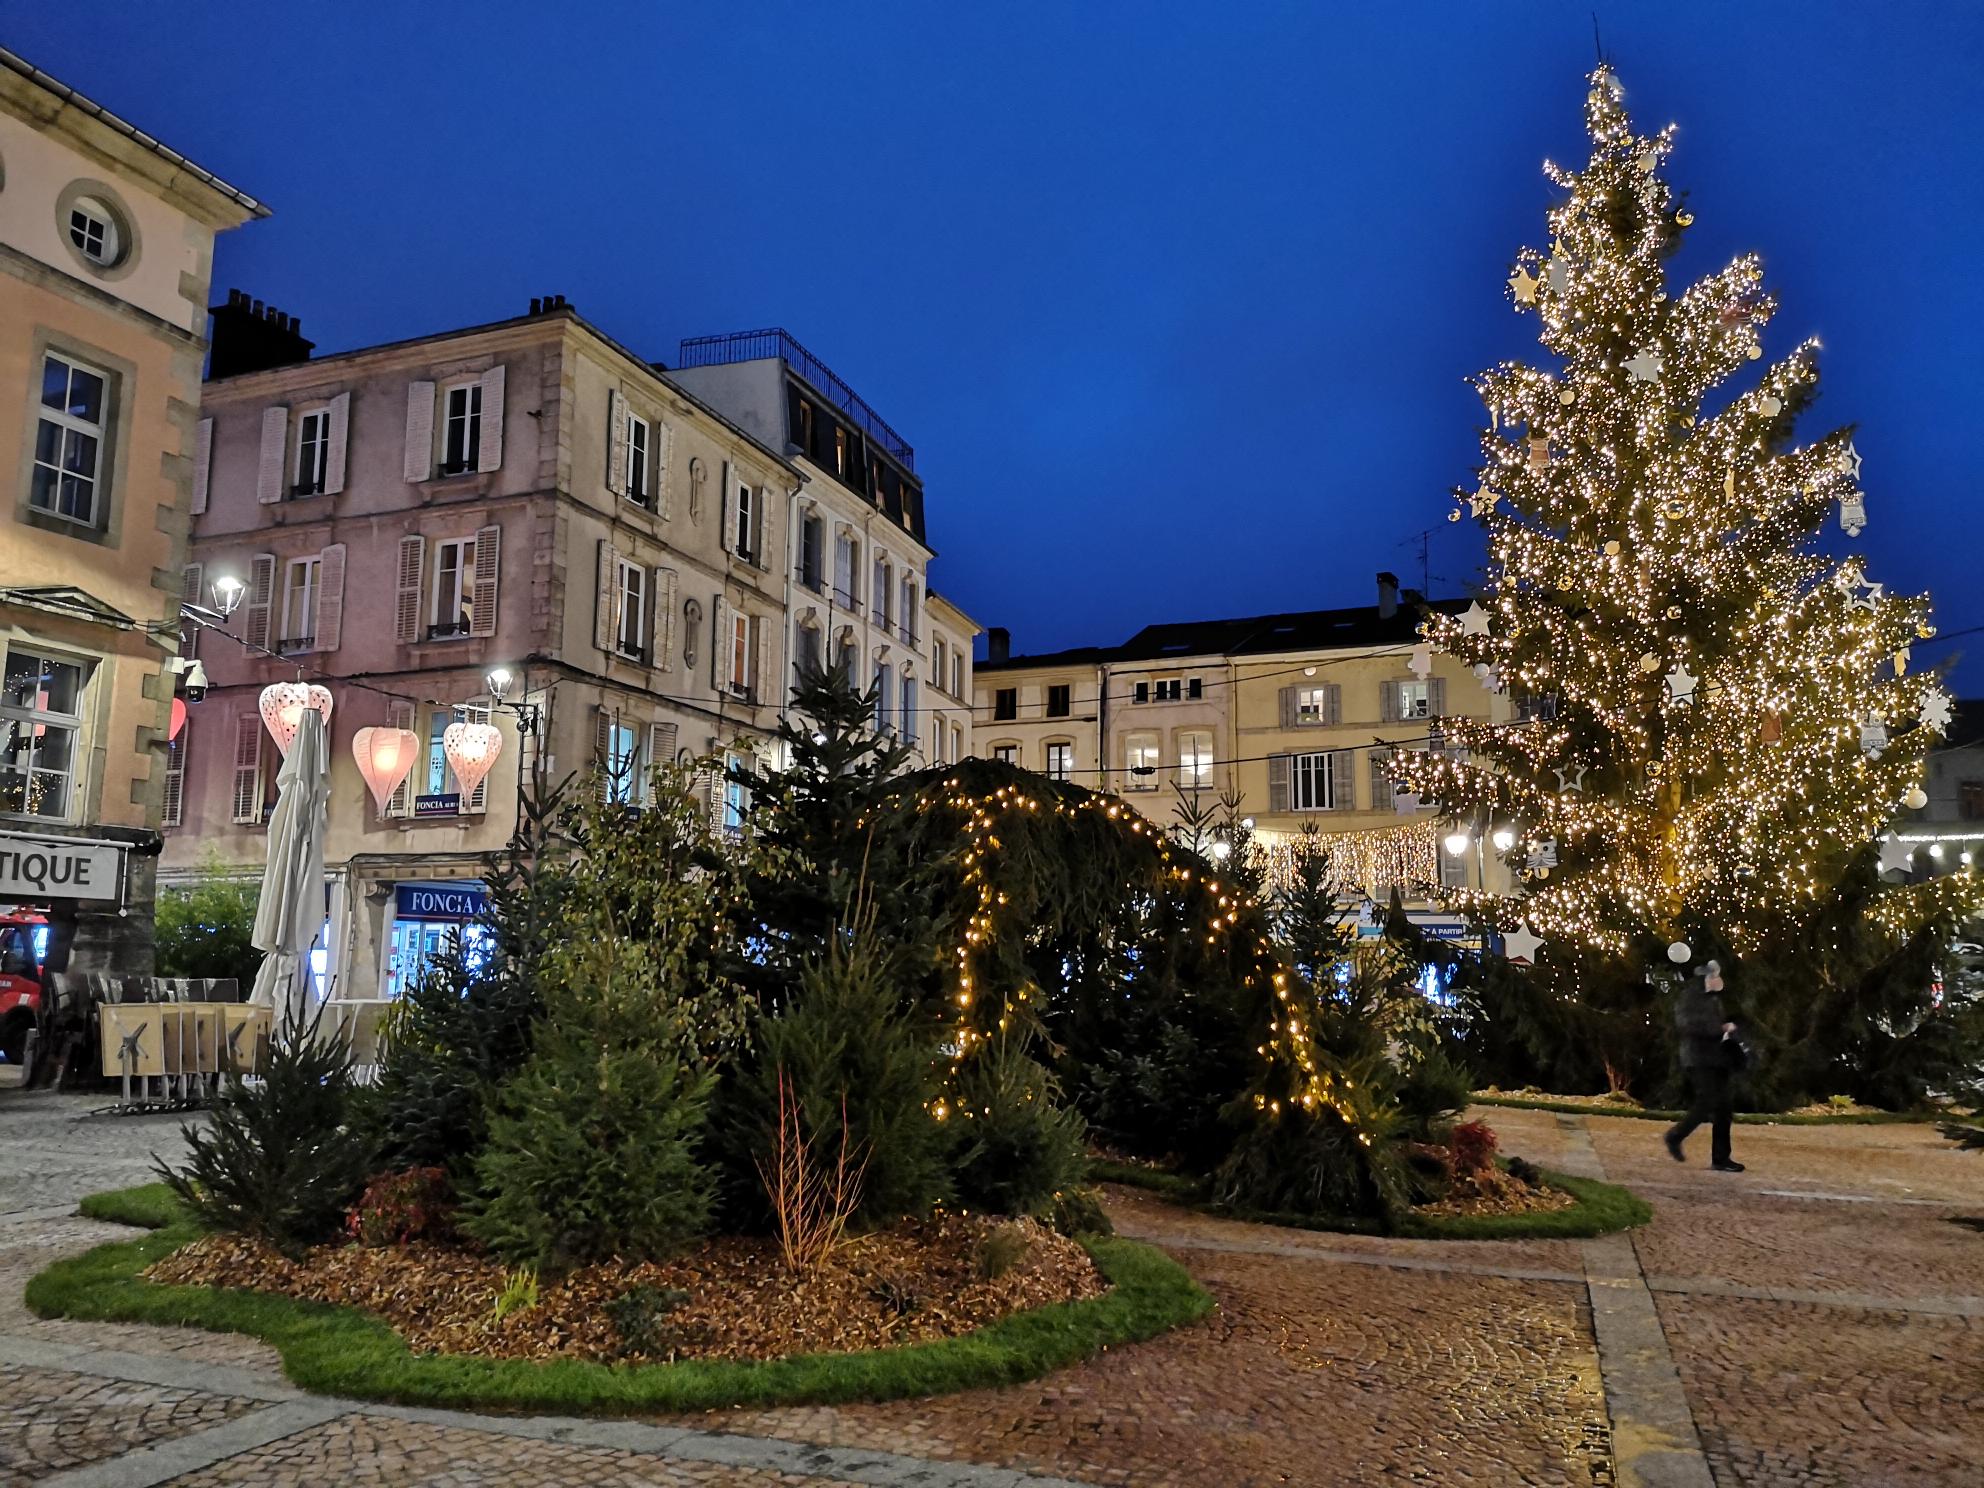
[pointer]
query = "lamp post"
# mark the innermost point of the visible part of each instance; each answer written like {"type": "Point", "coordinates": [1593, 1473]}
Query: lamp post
{"type": "Point", "coordinates": [498, 681]}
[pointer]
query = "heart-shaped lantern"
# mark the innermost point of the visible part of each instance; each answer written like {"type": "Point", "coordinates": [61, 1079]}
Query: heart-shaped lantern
{"type": "Point", "coordinates": [178, 718]}
{"type": "Point", "coordinates": [385, 758]}
{"type": "Point", "coordinates": [471, 749]}
{"type": "Point", "coordinates": [282, 709]}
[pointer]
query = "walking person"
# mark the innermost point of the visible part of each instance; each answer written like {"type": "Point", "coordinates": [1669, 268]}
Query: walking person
{"type": "Point", "coordinates": [1710, 1057]}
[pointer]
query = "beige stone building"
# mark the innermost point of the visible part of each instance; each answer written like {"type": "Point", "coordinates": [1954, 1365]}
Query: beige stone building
{"type": "Point", "coordinates": [106, 251]}
{"type": "Point", "coordinates": [1041, 712]}
{"type": "Point", "coordinates": [946, 734]}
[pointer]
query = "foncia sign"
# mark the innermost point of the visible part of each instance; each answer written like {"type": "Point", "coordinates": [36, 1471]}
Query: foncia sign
{"type": "Point", "coordinates": [36, 868]}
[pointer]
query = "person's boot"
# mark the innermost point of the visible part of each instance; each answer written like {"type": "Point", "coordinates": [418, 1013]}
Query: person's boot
{"type": "Point", "coordinates": [1674, 1147]}
{"type": "Point", "coordinates": [1727, 1165]}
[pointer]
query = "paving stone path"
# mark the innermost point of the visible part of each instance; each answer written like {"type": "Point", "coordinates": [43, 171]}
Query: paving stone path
{"type": "Point", "coordinates": [1818, 1320]}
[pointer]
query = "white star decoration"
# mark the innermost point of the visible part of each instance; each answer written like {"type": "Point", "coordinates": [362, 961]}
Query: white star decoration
{"type": "Point", "coordinates": [1522, 944]}
{"type": "Point", "coordinates": [1936, 711]}
{"type": "Point", "coordinates": [1569, 782]}
{"type": "Point", "coordinates": [1474, 620]}
{"type": "Point", "coordinates": [1524, 286]}
{"type": "Point", "coordinates": [1849, 461]}
{"type": "Point", "coordinates": [1896, 856]}
{"type": "Point", "coordinates": [1680, 685]}
{"type": "Point", "coordinates": [1645, 367]}
{"type": "Point", "coordinates": [1869, 596]}
{"type": "Point", "coordinates": [1483, 501]}
{"type": "Point", "coordinates": [1421, 664]}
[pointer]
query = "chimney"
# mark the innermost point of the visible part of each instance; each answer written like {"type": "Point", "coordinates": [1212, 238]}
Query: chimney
{"type": "Point", "coordinates": [998, 644]}
{"type": "Point", "coordinates": [249, 336]}
{"type": "Point", "coordinates": [1387, 595]}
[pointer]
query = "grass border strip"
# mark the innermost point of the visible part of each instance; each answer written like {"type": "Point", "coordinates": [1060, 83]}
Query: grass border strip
{"type": "Point", "coordinates": [1601, 1208]}
{"type": "Point", "coordinates": [1743, 1118]}
{"type": "Point", "coordinates": [342, 1351]}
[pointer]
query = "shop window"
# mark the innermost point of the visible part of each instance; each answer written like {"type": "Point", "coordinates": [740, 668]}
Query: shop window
{"type": "Point", "coordinates": [40, 720]}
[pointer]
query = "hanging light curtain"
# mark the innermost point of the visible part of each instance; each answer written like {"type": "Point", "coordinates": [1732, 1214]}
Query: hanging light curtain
{"type": "Point", "coordinates": [472, 750]}
{"type": "Point", "coordinates": [283, 706]}
{"type": "Point", "coordinates": [386, 756]}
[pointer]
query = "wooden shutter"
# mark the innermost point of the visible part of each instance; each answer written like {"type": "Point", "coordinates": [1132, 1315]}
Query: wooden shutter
{"type": "Point", "coordinates": [1381, 783]}
{"type": "Point", "coordinates": [261, 595]}
{"type": "Point", "coordinates": [1332, 703]}
{"type": "Point", "coordinates": [606, 604]}
{"type": "Point", "coordinates": [661, 755]}
{"type": "Point", "coordinates": [329, 624]}
{"type": "Point", "coordinates": [172, 813]}
{"type": "Point", "coordinates": [192, 584]}
{"type": "Point", "coordinates": [489, 444]}
{"type": "Point", "coordinates": [1436, 697]}
{"type": "Point", "coordinates": [767, 527]}
{"type": "Point", "coordinates": [1388, 702]}
{"type": "Point", "coordinates": [488, 561]}
{"type": "Point", "coordinates": [763, 685]}
{"type": "Point", "coordinates": [400, 803]}
{"type": "Point", "coordinates": [1277, 782]}
{"type": "Point", "coordinates": [661, 445]}
{"type": "Point", "coordinates": [723, 509]}
{"type": "Point", "coordinates": [720, 643]}
{"type": "Point", "coordinates": [203, 463]}
{"type": "Point", "coordinates": [275, 443]}
{"type": "Point", "coordinates": [419, 430]}
{"type": "Point", "coordinates": [340, 436]}
{"type": "Point", "coordinates": [662, 587]}
{"type": "Point", "coordinates": [602, 750]}
{"type": "Point", "coordinates": [406, 611]}
{"type": "Point", "coordinates": [616, 442]}
{"type": "Point", "coordinates": [247, 768]}
{"type": "Point", "coordinates": [477, 799]}
{"type": "Point", "coordinates": [1289, 716]}
{"type": "Point", "coordinates": [1343, 780]}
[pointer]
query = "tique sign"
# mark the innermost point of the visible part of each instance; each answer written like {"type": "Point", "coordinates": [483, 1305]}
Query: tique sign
{"type": "Point", "coordinates": [433, 901]}
{"type": "Point", "coordinates": [38, 868]}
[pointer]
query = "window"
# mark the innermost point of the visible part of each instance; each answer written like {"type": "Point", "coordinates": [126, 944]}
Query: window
{"type": "Point", "coordinates": [454, 587]}
{"type": "Point", "coordinates": [1312, 782]}
{"type": "Point", "coordinates": [1140, 762]}
{"type": "Point", "coordinates": [1195, 688]}
{"type": "Point", "coordinates": [1453, 869]}
{"type": "Point", "coordinates": [633, 635]}
{"type": "Point", "coordinates": [880, 596]}
{"type": "Point", "coordinates": [1970, 800]}
{"type": "Point", "coordinates": [463, 428]}
{"type": "Point", "coordinates": [937, 662]}
{"type": "Point", "coordinates": [957, 674]}
{"type": "Point", "coordinates": [846, 565]}
{"type": "Point", "coordinates": [638, 489]}
{"type": "Point", "coordinates": [840, 452]}
{"type": "Point", "coordinates": [812, 537]}
{"type": "Point", "coordinates": [957, 742]}
{"type": "Point", "coordinates": [1006, 704]}
{"type": "Point", "coordinates": [806, 660]}
{"type": "Point", "coordinates": [1170, 689]}
{"type": "Point", "coordinates": [740, 652]}
{"type": "Point", "coordinates": [736, 795]}
{"type": "Point", "coordinates": [1312, 706]}
{"type": "Point", "coordinates": [1140, 693]}
{"type": "Point", "coordinates": [313, 448]}
{"type": "Point", "coordinates": [1415, 699]}
{"type": "Point", "coordinates": [1195, 760]}
{"type": "Point", "coordinates": [68, 441]}
{"type": "Point", "coordinates": [1060, 761]}
{"type": "Point", "coordinates": [1535, 705]}
{"type": "Point", "coordinates": [94, 230]}
{"type": "Point", "coordinates": [41, 708]}
{"type": "Point", "coordinates": [622, 765]}
{"type": "Point", "coordinates": [300, 586]}
{"type": "Point", "coordinates": [1006, 754]}
{"type": "Point", "coordinates": [744, 529]}
{"type": "Point", "coordinates": [908, 619]}
{"type": "Point", "coordinates": [1057, 700]}
{"type": "Point", "coordinates": [885, 681]}
{"type": "Point", "coordinates": [909, 707]}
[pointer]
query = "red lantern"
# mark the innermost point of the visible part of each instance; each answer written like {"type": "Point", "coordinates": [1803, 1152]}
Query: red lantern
{"type": "Point", "coordinates": [282, 709]}
{"type": "Point", "coordinates": [385, 758]}
{"type": "Point", "coordinates": [178, 718]}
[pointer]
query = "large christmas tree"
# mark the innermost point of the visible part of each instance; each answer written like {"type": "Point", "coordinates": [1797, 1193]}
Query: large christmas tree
{"type": "Point", "coordinates": [1718, 719]}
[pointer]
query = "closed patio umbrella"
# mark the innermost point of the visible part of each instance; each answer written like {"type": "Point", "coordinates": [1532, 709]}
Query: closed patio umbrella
{"type": "Point", "coordinates": [291, 911]}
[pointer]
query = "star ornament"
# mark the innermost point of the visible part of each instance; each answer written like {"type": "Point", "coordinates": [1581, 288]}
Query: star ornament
{"type": "Point", "coordinates": [1474, 620]}
{"type": "Point", "coordinates": [1680, 685]}
{"type": "Point", "coordinates": [1896, 856]}
{"type": "Point", "coordinates": [1645, 367]}
{"type": "Point", "coordinates": [1849, 461]}
{"type": "Point", "coordinates": [1569, 782]}
{"type": "Point", "coordinates": [1523, 285]}
{"type": "Point", "coordinates": [1483, 500]}
{"type": "Point", "coordinates": [1521, 944]}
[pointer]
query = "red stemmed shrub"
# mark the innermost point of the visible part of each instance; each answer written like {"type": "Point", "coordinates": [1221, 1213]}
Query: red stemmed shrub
{"type": "Point", "coordinates": [399, 1208]}
{"type": "Point", "coordinates": [1473, 1147]}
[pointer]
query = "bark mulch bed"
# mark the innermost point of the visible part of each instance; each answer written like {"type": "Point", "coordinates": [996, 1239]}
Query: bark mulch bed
{"type": "Point", "coordinates": [1495, 1191]}
{"type": "Point", "coordinates": [913, 1283]}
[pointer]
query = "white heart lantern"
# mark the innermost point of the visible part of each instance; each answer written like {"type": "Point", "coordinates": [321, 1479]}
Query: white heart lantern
{"type": "Point", "coordinates": [471, 749]}
{"type": "Point", "coordinates": [385, 758]}
{"type": "Point", "coordinates": [282, 709]}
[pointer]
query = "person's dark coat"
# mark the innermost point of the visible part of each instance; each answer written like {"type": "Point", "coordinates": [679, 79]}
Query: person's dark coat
{"type": "Point", "coordinates": [1698, 1017]}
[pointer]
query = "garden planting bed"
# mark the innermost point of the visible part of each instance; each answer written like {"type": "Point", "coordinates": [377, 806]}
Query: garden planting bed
{"type": "Point", "coordinates": [1498, 1192]}
{"type": "Point", "coordinates": [726, 1299]}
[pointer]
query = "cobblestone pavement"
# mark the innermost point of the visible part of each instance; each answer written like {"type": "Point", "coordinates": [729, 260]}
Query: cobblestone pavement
{"type": "Point", "coordinates": [1817, 1320]}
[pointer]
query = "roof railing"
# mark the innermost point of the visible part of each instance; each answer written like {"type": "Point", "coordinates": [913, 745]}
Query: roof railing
{"type": "Point", "coordinates": [755, 346]}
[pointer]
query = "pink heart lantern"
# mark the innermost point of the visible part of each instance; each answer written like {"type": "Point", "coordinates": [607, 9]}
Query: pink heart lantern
{"type": "Point", "coordinates": [472, 749]}
{"type": "Point", "coordinates": [282, 709]}
{"type": "Point", "coordinates": [385, 756]}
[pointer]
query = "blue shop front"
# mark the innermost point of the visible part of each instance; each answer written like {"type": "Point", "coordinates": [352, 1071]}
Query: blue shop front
{"type": "Point", "coordinates": [426, 917]}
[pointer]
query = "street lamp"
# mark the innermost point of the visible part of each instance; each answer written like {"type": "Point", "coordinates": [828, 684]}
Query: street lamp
{"type": "Point", "coordinates": [1504, 839]}
{"type": "Point", "coordinates": [1221, 851]}
{"type": "Point", "coordinates": [498, 680]}
{"type": "Point", "coordinates": [1457, 843]}
{"type": "Point", "coordinates": [228, 592]}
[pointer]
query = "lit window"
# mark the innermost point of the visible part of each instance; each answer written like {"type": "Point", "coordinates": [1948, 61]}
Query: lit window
{"type": "Point", "coordinates": [1415, 699]}
{"type": "Point", "coordinates": [93, 229]}
{"type": "Point", "coordinates": [622, 764]}
{"type": "Point", "coordinates": [1006, 754]}
{"type": "Point", "coordinates": [736, 796]}
{"type": "Point", "coordinates": [464, 428]}
{"type": "Point", "coordinates": [1060, 761]}
{"type": "Point", "coordinates": [299, 604]}
{"type": "Point", "coordinates": [1141, 762]}
{"type": "Point", "coordinates": [740, 653]}
{"type": "Point", "coordinates": [454, 587]}
{"type": "Point", "coordinates": [1194, 760]}
{"type": "Point", "coordinates": [313, 448]}
{"type": "Point", "coordinates": [1312, 782]}
{"type": "Point", "coordinates": [1312, 705]}
{"type": "Point", "coordinates": [40, 717]}
{"type": "Point", "coordinates": [68, 441]}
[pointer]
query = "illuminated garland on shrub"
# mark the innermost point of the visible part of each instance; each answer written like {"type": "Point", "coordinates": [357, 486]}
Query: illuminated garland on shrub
{"type": "Point", "coordinates": [1367, 862]}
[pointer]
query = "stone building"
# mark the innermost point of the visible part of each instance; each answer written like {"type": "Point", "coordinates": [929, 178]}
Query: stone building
{"type": "Point", "coordinates": [106, 250]}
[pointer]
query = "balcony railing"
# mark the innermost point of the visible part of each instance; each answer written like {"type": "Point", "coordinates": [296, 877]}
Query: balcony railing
{"type": "Point", "coordinates": [753, 346]}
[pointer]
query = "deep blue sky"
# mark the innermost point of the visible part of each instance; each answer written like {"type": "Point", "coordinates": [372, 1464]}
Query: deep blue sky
{"type": "Point", "coordinates": [1175, 302]}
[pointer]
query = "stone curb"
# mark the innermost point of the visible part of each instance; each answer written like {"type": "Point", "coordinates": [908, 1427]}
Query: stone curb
{"type": "Point", "coordinates": [202, 1449]}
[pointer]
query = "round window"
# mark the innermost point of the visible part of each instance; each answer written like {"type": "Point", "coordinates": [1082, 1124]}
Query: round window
{"type": "Point", "coordinates": [94, 229]}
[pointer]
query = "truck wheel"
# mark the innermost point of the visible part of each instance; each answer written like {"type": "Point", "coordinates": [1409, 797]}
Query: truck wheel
{"type": "Point", "coordinates": [14, 1033]}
